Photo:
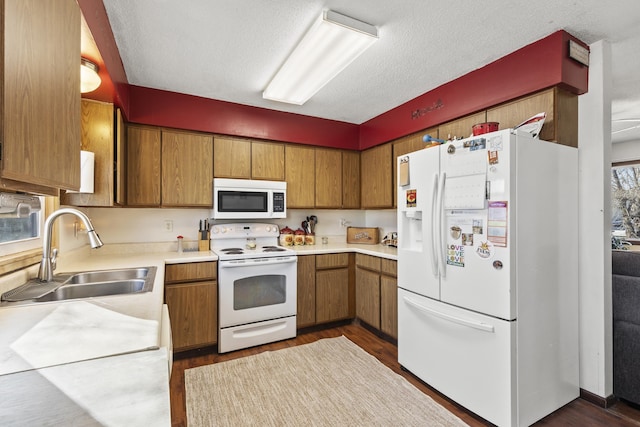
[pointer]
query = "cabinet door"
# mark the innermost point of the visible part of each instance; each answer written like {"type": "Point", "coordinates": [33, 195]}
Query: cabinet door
{"type": "Point", "coordinates": [328, 178]}
{"type": "Point", "coordinates": [231, 157]}
{"type": "Point", "coordinates": [97, 136]}
{"type": "Point", "coordinates": [306, 291]}
{"type": "Point", "coordinates": [376, 180]}
{"type": "Point", "coordinates": [368, 297]}
{"type": "Point", "coordinates": [193, 313]}
{"type": "Point", "coordinates": [40, 116]}
{"type": "Point", "coordinates": [332, 295]}
{"type": "Point", "coordinates": [557, 103]}
{"type": "Point", "coordinates": [350, 180]}
{"type": "Point", "coordinates": [187, 169]}
{"type": "Point", "coordinates": [389, 305]}
{"type": "Point", "coordinates": [143, 166]}
{"type": "Point", "coordinates": [461, 128]}
{"type": "Point", "coordinates": [300, 176]}
{"type": "Point", "coordinates": [267, 161]}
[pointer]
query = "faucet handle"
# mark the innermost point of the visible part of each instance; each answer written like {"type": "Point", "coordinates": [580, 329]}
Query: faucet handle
{"type": "Point", "coordinates": [54, 259]}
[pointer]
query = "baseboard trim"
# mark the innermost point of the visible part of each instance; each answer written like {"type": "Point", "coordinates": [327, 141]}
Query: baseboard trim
{"type": "Point", "coordinates": [603, 402]}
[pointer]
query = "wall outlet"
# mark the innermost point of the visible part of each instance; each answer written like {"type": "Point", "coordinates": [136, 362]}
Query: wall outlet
{"type": "Point", "coordinates": [343, 222]}
{"type": "Point", "coordinates": [168, 225]}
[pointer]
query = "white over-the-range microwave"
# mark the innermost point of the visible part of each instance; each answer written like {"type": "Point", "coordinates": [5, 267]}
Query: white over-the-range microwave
{"type": "Point", "coordinates": [249, 199]}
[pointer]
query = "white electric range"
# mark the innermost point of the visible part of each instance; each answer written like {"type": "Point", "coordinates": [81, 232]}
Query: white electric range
{"type": "Point", "coordinates": [257, 282]}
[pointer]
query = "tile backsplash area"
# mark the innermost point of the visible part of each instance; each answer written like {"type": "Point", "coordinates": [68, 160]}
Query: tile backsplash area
{"type": "Point", "coordinates": [132, 225]}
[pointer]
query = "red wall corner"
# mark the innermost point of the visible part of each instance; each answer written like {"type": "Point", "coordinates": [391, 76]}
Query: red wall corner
{"type": "Point", "coordinates": [542, 64]}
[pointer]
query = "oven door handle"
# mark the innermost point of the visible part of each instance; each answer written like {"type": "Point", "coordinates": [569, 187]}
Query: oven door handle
{"type": "Point", "coordinates": [253, 263]}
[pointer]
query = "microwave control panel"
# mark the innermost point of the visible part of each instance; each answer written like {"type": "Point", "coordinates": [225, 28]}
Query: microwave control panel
{"type": "Point", "coordinates": [278, 201]}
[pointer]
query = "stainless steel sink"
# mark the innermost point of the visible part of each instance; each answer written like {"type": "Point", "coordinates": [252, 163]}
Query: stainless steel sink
{"type": "Point", "coordinates": [107, 276]}
{"type": "Point", "coordinates": [86, 284]}
{"type": "Point", "coordinates": [90, 290]}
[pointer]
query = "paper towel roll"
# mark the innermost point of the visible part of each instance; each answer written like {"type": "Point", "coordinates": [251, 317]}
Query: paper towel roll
{"type": "Point", "coordinates": [87, 165]}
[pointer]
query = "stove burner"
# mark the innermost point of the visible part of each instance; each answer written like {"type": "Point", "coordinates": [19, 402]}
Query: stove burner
{"type": "Point", "coordinates": [272, 249]}
{"type": "Point", "coordinates": [238, 250]}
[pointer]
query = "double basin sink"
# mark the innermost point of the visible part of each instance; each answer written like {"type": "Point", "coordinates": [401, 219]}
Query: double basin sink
{"type": "Point", "coordinates": [87, 284]}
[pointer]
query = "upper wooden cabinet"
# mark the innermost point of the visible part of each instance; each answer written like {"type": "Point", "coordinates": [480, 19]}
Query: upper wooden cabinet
{"type": "Point", "coordinates": [461, 128]}
{"type": "Point", "coordinates": [143, 166]}
{"type": "Point", "coordinates": [187, 169]}
{"type": "Point", "coordinates": [97, 136]}
{"type": "Point", "coordinates": [300, 163]}
{"type": "Point", "coordinates": [169, 168]}
{"type": "Point", "coordinates": [267, 160]}
{"type": "Point", "coordinates": [328, 178]}
{"type": "Point", "coordinates": [231, 157]}
{"type": "Point", "coordinates": [376, 177]}
{"type": "Point", "coordinates": [40, 94]}
{"type": "Point", "coordinates": [350, 180]}
{"type": "Point", "coordinates": [561, 107]}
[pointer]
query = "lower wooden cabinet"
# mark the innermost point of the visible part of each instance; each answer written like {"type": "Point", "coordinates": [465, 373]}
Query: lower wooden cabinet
{"type": "Point", "coordinates": [389, 297]}
{"type": "Point", "coordinates": [306, 291]}
{"type": "Point", "coordinates": [325, 289]}
{"type": "Point", "coordinates": [191, 294]}
{"type": "Point", "coordinates": [376, 293]}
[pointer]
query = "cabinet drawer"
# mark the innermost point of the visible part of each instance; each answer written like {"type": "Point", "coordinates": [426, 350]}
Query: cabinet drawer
{"type": "Point", "coordinates": [389, 267]}
{"type": "Point", "coordinates": [191, 272]}
{"type": "Point", "coordinates": [332, 261]}
{"type": "Point", "coordinates": [367, 261]}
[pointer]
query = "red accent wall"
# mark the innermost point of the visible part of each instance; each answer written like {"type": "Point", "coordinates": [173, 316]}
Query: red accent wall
{"type": "Point", "coordinates": [115, 87]}
{"type": "Point", "coordinates": [537, 66]}
{"type": "Point", "coordinates": [162, 108]}
{"type": "Point", "coordinates": [542, 64]}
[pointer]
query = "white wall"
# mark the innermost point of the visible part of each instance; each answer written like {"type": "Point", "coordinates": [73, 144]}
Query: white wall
{"type": "Point", "coordinates": [133, 225]}
{"type": "Point", "coordinates": [596, 368]}
{"type": "Point", "coordinates": [625, 151]}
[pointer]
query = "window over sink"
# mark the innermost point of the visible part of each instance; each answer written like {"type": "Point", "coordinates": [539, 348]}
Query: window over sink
{"type": "Point", "coordinates": [21, 234]}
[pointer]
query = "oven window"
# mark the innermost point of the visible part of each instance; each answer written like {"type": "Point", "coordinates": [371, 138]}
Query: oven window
{"type": "Point", "coordinates": [259, 291]}
{"type": "Point", "coordinates": [242, 201]}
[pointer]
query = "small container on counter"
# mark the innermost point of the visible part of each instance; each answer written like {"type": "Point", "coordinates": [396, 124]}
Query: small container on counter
{"type": "Point", "coordinates": [299, 237]}
{"type": "Point", "coordinates": [180, 247]}
{"type": "Point", "coordinates": [286, 236]}
{"type": "Point", "coordinates": [310, 239]}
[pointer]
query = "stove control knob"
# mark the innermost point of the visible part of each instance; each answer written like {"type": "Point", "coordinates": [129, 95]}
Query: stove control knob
{"type": "Point", "coordinates": [214, 230]}
{"type": "Point", "coordinates": [268, 228]}
{"type": "Point", "coordinates": [223, 230]}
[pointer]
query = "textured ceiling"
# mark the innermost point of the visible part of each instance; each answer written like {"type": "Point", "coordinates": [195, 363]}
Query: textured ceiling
{"type": "Point", "coordinates": [229, 50]}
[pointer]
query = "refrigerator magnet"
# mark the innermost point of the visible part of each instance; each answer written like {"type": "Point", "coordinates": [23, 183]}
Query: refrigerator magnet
{"type": "Point", "coordinates": [455, 255]}
{"type": "Point", "coordinates": [485, 249]}
{"type": "Point", "coordinates": [493, 157]}
{"type": "Point", "coordinates": [412, 197]}
{"type": "Point", "coordinates": [404, 171]}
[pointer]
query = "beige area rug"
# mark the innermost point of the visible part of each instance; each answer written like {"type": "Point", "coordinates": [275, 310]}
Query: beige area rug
{"type": "Point", "coordinates": [331, 382]}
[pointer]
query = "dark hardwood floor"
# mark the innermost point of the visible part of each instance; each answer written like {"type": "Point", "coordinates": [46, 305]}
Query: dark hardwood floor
{"type": "Point", "coordinates": [577, 413]}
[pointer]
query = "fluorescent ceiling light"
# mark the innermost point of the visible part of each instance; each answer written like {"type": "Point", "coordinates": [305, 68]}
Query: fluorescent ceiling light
{"type": "Point", "coordinates": [332, 43]}
{"type": "Point", "coordinates": [89, 78]}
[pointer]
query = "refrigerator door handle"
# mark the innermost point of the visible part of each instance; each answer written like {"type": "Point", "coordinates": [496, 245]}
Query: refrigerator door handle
{"type": "Point", "coordinates": [440, 223]}
{"type": "Point", "coordinates": [434, 227]}
{"type": "Point", "coordinates": [459, 320]}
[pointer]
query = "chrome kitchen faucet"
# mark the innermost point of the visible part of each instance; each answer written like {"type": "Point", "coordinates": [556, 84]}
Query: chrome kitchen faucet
{"type": "Point", "coordinates": [47, 265]}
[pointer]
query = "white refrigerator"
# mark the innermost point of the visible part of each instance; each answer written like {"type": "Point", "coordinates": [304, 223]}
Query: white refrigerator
{"type": "Point", "coordinates": [488, 273]}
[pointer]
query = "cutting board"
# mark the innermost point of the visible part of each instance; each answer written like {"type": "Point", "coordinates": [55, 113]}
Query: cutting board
{"type": "Point", "coordinates": [364, 235]}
